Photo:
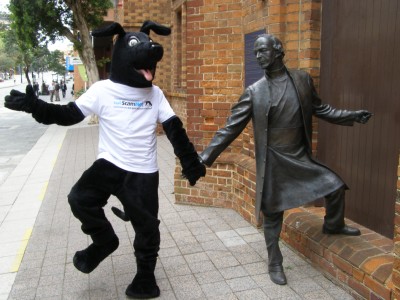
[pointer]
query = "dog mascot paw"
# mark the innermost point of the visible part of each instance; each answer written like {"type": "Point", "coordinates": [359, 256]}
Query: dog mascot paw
{"type": "Point", "coordinates": [129, 107]}
{"type": "Point", "coordinates": [20, 101]}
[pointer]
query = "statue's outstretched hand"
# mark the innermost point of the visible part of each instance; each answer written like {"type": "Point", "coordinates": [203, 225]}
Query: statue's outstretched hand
{"type": "Point", "coordinates": [362, 116]}
{"type": "Point", "coordinates": [20, 101]}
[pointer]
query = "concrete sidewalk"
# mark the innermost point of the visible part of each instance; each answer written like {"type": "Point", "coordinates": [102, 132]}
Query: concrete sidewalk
{"type": "Point", "coordinates": [206, 253]}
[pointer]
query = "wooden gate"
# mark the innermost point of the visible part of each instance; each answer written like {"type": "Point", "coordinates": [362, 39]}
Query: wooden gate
{"type": "Point", "coordinates": [360, 69]}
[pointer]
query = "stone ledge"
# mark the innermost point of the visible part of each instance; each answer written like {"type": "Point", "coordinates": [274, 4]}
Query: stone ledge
{"type": "Point", "coordinates": [362, 263]}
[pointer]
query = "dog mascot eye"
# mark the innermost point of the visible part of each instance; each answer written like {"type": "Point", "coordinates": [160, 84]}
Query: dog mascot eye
{"type": "Point", "coordinates": [133, 41]}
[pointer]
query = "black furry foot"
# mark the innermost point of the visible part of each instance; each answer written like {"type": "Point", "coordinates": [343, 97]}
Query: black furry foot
{"type": "Point", "coordinates": [88, 259]}
{"type": "Point", "coordinates": [143, 286]}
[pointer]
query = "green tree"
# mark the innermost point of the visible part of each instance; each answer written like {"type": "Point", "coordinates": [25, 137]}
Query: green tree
{"type": "Point", "coordinates": [8, 58]}
{"type": "Point", "coordinates": [56, 62]}
{"type": "Point", "coordinates": [38, 59]}
{"type": "Point", "coordinates": [7, 61]}
{"type": "Point", "coordinates": [37, 22]}
{"type": "Point", "coordinates": [22, 53]}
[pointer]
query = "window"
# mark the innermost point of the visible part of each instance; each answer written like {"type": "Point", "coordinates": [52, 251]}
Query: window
{"type": "Point", "coordinates": [252, 70]}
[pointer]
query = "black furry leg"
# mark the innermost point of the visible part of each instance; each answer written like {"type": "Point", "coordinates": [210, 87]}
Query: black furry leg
{"type": "Point", "coordinates": [88, 259]}
{"type": "Point", "coordinates": [144, 285]}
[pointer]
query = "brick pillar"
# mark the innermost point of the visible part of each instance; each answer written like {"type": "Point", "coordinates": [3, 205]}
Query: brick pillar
{"type": "Point", "coordinates": [396, 252]}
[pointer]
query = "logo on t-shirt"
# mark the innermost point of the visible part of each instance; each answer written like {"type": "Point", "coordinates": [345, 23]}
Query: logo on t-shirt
{"type": "Point", "coordinates": [133, 104]}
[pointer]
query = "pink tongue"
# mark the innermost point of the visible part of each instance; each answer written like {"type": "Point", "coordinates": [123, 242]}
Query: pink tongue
{"type": "Point", "coordinates": [147, 74]}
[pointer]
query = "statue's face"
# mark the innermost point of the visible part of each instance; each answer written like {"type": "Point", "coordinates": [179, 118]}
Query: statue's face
{"type": "Point", "coordinates": [264, 52]}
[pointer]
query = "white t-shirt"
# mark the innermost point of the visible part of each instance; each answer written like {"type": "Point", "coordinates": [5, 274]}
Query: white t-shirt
{"type": "Point", "coordinates": [128, 120]}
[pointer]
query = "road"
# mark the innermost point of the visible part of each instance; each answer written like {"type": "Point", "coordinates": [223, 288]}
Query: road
{"type": "Point", "coordinates": [19, 132]}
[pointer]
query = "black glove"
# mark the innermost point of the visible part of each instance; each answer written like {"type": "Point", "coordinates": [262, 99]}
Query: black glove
{"type": "Point", "coordinates": [193, 172]}
{"type": "Point", "coordinates": [20, 101]}
{"type": "Point", "coordinates": [362, 116]}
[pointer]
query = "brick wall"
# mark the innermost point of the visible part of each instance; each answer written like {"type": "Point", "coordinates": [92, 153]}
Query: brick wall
{"type": "Point", "coordinates": [396, 267]}
{"type": "Point", "coordinates": [213, 81]}
{"type": "Point", "coordinates": [214, 39]}
{"type": "Point", "coordinates": [178, 102]}
{"type": "Point", "coordinates": [214, 52]}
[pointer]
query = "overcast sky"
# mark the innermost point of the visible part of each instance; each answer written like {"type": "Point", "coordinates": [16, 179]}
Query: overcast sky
{"type": "Point", "coordinates": [3, 4]}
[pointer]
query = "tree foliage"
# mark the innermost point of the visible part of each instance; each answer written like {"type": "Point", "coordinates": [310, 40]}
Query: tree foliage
{"type": "Point", "coordinates": [7, 60]}
{"type": "Point", "coordinates": [56, 62]}
{"type": "Point", "coordinates": [38, 59]}
{"type": "Point", "coordinates": [38, 22]}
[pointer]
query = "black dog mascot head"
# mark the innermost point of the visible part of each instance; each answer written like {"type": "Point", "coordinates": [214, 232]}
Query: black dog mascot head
{"type": "Point", "coordinates": [135, 55]}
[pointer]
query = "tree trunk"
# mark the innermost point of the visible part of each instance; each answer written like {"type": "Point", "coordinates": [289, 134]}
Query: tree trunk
{"type": "Point", "coordinates": [89, 60]}
{"type": "Point", "coordinates": [86, 52]}
{"type": "Point", "coordinates": [26, 71]}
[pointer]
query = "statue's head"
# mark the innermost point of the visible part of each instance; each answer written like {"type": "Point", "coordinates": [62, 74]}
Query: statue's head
{"type": "Point", "coordinates": [268, 50]}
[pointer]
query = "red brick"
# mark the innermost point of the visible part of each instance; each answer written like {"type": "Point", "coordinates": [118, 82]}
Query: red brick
{"type": "Point", "coordinates": [359, 288]}
{"type": "Point", "coordinates": [358, 274]}
{"type": "Point", "coordinates": [342, 264]}
{"type": "Point", "coordinates": [373, 263]}
{"type": "Point", "coordinates": [316, 247]}
{"type": "Point", "coordinates": [396, 294]}
{"type": "Point", "coordinates": [396, 277]}
{"type": "Point", "coordinates": [378, 288]}
{"type": "Point", "coordinates": [383, 273]}
{"type": "Point", "coordinates": [363, 255]}
{"type": "Point", "coordinates": [342, 276]}
{"type": "Point", "coordinates": [328, 267]}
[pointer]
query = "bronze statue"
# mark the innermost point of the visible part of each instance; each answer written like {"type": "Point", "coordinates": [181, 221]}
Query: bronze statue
{"type": "Point", "coordinates": [281, 106]}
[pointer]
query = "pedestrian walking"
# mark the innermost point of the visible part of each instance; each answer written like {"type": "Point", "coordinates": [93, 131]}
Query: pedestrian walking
{"type": "Point", "coordinates": [57, 90]}
{"type": "Point", "coordinates": [36, 88]}
{"type": "Point", "coordinates": [63, 88]}
{"type": "Point", "coordinates": [51, 91]}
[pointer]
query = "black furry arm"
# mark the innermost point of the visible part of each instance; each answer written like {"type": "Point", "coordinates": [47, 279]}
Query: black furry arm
{"type": "Point", "coordinates": [42, 111]}
{"type": "Point", "coordinates": [192, 168]}
{"type": "Point", "coordinates": [64, 115]}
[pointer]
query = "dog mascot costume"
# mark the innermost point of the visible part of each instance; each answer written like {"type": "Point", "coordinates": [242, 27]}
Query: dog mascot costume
{"type": "Point", "coordinates": [129, 107]}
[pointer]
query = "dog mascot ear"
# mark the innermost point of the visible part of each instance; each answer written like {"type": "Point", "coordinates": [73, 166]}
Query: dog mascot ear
{"type": "Point", "coordinates": [157, 28]}
{"type": "Point", "coordinates": [113, 29]}
{"type": "Point", "coordinates": [116, 28]}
